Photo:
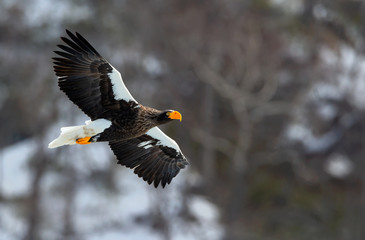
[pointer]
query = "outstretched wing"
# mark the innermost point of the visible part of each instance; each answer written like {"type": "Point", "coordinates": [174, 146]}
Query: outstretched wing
{"type": "Point", "coordinates": [88, 80]}
{"type": "Point", "coordinates": [154, 156]}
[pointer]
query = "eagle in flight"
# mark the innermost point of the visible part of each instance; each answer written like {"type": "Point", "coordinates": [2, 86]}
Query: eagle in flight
{"type": "Point", "coordinates": [129, 127]}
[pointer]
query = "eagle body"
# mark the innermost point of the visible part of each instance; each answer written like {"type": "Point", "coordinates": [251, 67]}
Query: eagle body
{"type": "Point", "coordinates": [131, 124]}
{"type": "Point", "coordinates": [129, 127]}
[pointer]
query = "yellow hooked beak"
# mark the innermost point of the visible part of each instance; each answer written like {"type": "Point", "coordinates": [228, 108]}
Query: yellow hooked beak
{"type": "Point", "coordinates": [174, 115]}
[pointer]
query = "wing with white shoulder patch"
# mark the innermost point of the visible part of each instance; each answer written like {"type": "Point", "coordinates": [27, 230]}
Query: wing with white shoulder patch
{"type": "Point", "coordinates": [153, 156]}
{"type": "Point", "coordinates": [119, 89]}
{"type": "Point", "coordinates": [89, 80]}
{"type": "Point", "coordinates": [163, 139]}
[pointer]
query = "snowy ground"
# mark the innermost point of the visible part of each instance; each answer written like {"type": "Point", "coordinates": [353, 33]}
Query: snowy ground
{"type": "Point", "coordinates": [97, 213]}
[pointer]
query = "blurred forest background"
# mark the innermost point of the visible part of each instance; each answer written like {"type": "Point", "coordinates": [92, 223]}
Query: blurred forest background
{"type": "Point", "coordinates": [272, 94]}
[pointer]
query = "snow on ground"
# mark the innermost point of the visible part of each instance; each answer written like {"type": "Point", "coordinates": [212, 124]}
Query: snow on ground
{"type": "Point", "coordinates": [12, 226]}
{"type": "Point", "coordinates": [14, 160]}
{"type": "Point", "coordinates": [14, 182]}
{"type": "Point", "coordinates": [208, 216]}
{"type": "Point", "coordinates": [98, 213]}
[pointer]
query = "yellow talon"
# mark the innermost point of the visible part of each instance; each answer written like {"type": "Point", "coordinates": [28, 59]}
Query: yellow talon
{"type": "Point", "coordinates": [84, 140]}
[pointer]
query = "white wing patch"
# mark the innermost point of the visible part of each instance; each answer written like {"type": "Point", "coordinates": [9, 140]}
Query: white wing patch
{"type": "Point", "coordinates": [145, 145]}
{"type": "Point", "coordinates": [119, 89]}
{"type": "Point", "coordinates": [163, 139]}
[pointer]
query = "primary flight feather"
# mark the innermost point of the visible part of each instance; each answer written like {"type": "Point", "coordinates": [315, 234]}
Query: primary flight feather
{"type": "Point", "coordinates": [97, 88]}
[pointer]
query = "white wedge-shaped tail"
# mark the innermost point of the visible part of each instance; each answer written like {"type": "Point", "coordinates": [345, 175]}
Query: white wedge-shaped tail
{"type": "Point", "coordinates": [69, 135]}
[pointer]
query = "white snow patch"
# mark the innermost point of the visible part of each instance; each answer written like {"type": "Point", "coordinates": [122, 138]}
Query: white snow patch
{"type": "Point", "coordinates": [312, 143]}
{"type": "Point", "coordinates": [14, 176]}
{"type": "Point", "coordinates": [122, 208]}
{"type": "Point", "coordinates": [130, 234]}
{"type": "Point", "coordinates": [207, 216]}
{"type": "Point", "coordinates": [349, 80]}
{"type": "Point", "coordinates": [327, 111]}
{"type": "Point", "coordinates": [290, 6]}
{"type": "Point", "coordinates": [339, 166]}
{"type": "Point", "coordinates": [41, 12]}
{"type": "Point", "coordinates": [203, 209]}
{"type": "Point", "coordinates": [6, 236]}
{"type": "Point", "coordinates": [320, 12]}
{"type": "Point", "coordinates": [152, 65]}
{"type": "Point", "coordinates": [326, 90]}
{"type": "Point", "coordinates": [12, 225]}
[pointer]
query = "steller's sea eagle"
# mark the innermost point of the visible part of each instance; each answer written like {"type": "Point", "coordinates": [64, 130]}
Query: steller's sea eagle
{"type": "Point", "coordinates": [130, 128]}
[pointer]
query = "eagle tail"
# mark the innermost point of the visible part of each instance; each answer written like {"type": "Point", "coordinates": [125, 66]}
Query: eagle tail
{"type": "Point", "coordinates": [68, 136]}
{"type": "Point", "coordinates": [80, 134]}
